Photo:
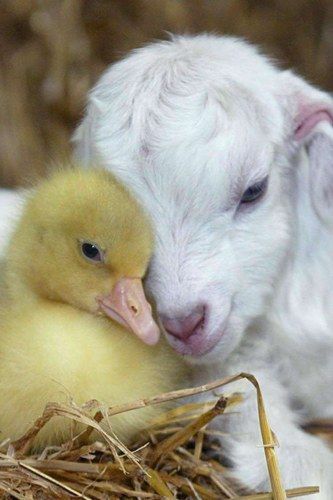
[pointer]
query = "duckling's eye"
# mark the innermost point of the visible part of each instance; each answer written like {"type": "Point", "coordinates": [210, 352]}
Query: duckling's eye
{"type": "Point", "coordinates": [91, 252]}
{"type": "Point", "coordinates": [255, 191]}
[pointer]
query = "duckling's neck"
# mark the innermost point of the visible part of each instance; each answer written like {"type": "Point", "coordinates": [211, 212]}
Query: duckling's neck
{"type": "Point", "coordinates": [20, 293]}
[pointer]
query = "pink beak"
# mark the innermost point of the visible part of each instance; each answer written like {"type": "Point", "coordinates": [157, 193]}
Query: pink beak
{"type": "Point", "coordinates": [128, 305]}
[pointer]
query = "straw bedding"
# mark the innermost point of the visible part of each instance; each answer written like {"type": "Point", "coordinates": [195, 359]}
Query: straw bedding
{"type": "Point", "coordinates": [172, 459]}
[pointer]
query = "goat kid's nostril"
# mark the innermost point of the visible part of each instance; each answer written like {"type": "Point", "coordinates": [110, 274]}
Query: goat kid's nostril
{"type": "Point", "coordinates": [184, 327]}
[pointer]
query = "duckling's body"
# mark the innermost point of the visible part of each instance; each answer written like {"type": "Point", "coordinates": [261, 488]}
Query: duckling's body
{"type": "Point", "coordinates": [52, 347]}
{"type": "Point", "coordinates": [54, 352]}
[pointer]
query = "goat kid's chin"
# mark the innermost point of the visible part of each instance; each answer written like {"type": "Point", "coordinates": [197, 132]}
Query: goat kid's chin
{"type": "Point", "coordinates": [198, 344]}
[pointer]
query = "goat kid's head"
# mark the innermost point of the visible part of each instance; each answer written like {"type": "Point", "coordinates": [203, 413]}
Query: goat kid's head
{"type": "Point", "coordinates": [209, 134]}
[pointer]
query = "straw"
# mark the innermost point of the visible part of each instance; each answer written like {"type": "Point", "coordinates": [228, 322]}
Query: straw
{"type": "Point", "coordinates": [173, 461]}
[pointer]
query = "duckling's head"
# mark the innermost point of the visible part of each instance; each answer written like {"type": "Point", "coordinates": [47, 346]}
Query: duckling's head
{"type": "Point", "coordinates": [83, 240]}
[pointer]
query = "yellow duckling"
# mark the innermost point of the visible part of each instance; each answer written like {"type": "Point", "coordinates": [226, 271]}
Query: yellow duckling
{"type": "Point", "coordinates": [78, 255]}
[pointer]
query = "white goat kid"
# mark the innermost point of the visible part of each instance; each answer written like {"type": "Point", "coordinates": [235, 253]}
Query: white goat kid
{"type": "Point", "coordinates": [195, 127]}
{"type": "Point", "coordinates": [233, 160]}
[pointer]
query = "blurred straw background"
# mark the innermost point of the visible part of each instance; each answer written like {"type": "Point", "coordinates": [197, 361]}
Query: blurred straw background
{"type": "Point", "coordinates": [52, 51]}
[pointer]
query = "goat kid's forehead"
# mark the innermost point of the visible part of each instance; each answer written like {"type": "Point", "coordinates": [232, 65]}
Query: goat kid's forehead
{"type": "Point", "coordinates": [201, 180]}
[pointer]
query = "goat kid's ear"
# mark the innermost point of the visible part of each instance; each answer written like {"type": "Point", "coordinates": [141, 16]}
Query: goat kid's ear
{"type": "Point", "coordinates": [309, 122]}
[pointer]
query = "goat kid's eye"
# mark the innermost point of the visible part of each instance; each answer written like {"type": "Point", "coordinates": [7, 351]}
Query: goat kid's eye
{"type": "Point", "coordinates": [255, 191]}
{"type": "Point", "coordinates": [91, 251]}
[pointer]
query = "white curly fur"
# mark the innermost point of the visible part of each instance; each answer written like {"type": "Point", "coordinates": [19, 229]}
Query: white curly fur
{"type": "Point", "coordinates": [189, 125]}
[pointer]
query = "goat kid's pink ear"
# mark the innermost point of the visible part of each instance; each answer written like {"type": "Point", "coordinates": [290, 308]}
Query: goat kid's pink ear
{"type": "Point", "coordinates": [309, 122]}
{"type": "Point", "coordinates": [309, 117]}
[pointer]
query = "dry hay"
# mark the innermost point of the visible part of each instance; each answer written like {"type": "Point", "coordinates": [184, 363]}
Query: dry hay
{"type": "Point", "coordinates": [169, 461]}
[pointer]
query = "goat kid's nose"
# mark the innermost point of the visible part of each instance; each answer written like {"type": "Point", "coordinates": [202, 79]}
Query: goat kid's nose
{"type": "Point", "coordinates": [183, 327]}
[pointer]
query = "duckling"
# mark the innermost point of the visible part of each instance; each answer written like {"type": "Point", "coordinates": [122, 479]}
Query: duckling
{"type": "Point", "coordinates": [75, 321]}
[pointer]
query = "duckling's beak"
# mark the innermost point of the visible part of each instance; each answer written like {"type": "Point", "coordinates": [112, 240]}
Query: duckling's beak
{"type": "Point", "coordinates": [128, 305]}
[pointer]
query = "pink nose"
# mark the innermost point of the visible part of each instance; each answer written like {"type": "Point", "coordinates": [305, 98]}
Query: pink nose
{"type": "Point", "coordinates": [184, 327]}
